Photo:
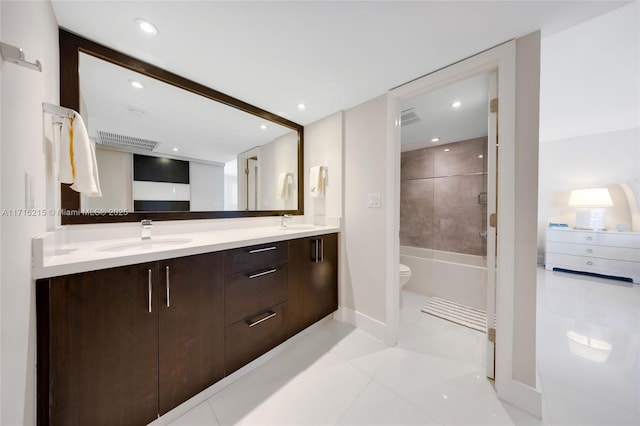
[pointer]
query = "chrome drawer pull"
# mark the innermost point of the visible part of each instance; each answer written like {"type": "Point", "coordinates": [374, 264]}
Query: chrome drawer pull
{"type": "Point", "coordinates": [150, 290]}
{"type": "Point", "coordinates": [589, 251]}
{"type": "Point", "coordinates": [251, 323]}
{"type": "Point", "coordinates": [589, 263]}
{"type": "Point", "coordinates": [259, 274]}
{"type": "Point", "coordinates": [262, 249]}
{"type": "Point", "coordinates": [589, 238]}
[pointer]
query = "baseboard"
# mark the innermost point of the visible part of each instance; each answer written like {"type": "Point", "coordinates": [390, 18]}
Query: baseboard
{"type": "Point", "coordinates": [364, 322]}
{"type": "Point", "coordinates": [524, 397]}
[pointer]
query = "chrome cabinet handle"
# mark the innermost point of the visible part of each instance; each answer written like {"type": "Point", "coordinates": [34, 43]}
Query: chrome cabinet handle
{"type": "Point", "coordinates": [168, 286]}
{"type": "Point", "coordinates": [317, 250]}
{"type": "Point", "coordinates": [150, 290]}
{"type": "Point", "coordinates": [589, 263]}
{"type": "Point", "coordinates": [259, 274]}
{"type": "Point", "coordinates": [321, 249]}
{"type": "Point", "coordinates": [589, 238]}
{"type": "Point", "coordinates": [589, 251]}
{"type": "Point", "coordinates": [262, 249]}
{"type": "Point", "coordinates": [251, 323]}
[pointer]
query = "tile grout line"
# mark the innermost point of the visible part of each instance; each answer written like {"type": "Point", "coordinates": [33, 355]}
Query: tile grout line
{"type": "Point", "coordinates": [354, 400]}
{"type": "Point", "coordinates": [215, 416]}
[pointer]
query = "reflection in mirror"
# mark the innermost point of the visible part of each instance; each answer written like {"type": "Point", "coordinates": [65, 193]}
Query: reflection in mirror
{"type": "Point", "coordinates": [163, 148]}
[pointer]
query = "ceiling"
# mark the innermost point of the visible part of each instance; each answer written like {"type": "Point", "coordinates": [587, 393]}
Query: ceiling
{"type": "Point", "coordinates": [330, 55]}
{"type": "Point", "coordinates": [432, 114]}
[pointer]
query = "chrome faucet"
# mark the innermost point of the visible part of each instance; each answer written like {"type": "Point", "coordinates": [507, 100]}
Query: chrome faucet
{"type": "Point", "coordinates": [146, 229]}
{"type": "Point", "coordinates": [284, 220]}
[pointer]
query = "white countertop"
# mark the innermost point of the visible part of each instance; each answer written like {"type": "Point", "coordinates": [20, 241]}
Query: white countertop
{"type": "Point", "coordinates": [85, 256]}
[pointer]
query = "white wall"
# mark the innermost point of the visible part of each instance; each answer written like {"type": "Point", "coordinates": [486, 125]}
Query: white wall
{"type": "Point", "coordinates": [116, 175]}
{"type": "Point", "coordinates": [589, 114]}
{"type": "Point", "coordinates": [31, 26]}
{"type": "Point", "coordinates": [364, 267]}
{"type": "Point", "coordinates": [526, 208]}
{"type": "Point", "coordinates": [207, 187]}
{"type": "Point", "coordinates": [323, 147]}
{"type": "Point", "coordinates": [279, 156]}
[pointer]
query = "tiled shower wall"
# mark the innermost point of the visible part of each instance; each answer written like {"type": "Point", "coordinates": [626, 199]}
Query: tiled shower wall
{"type": "Point", "coordinates": [443, 197]}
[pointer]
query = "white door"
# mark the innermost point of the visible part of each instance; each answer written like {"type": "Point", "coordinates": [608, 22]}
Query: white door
{"type": "Point", "coordinates": [252, 184]}
{"type": "Point", "coordinates": [492, 202]}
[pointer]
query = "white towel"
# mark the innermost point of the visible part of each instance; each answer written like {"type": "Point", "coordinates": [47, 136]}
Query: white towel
{"type": "Point", "coordinates": [282, 188]}
{"type": "Point", "coordinates": [316, 181]}
{"type": "Point", "coordinates": [77, 161]}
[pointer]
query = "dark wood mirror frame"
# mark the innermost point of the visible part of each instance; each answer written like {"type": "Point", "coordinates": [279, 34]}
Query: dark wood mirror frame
{"type": "Point", "coordinates": [70, 47]}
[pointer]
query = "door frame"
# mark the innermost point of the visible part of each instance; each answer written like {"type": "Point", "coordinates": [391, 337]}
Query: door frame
{"type": "Point", "coordinates": [503, 59]}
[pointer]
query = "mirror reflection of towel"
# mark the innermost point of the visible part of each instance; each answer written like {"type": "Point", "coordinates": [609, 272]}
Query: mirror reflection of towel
{"type": "Point", "coordinates": [77, 160]}
{"type": "Point", "coordinates": [316, 181]}
{"type": "Point", "coordinates": [282, 188]}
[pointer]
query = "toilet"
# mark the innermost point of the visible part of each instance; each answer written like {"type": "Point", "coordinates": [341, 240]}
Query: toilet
{"type": "Point", "coordinates": [405, 275]}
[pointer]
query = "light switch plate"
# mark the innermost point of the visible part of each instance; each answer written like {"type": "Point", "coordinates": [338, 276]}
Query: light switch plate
{"type": "Point", "coordinates": [373, 200]}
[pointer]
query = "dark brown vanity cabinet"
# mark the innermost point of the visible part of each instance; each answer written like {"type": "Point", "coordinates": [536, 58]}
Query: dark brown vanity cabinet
{"type": "Point", "coordinates": [256, 295]}
{"type": "Point", "coordinates": [120, 346]}
{"type": "Point", "coordinates": [313, 280]}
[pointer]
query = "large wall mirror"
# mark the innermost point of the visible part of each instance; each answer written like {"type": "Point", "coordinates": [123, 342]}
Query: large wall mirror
{"type": "Point", "coordinates": [169, 148]}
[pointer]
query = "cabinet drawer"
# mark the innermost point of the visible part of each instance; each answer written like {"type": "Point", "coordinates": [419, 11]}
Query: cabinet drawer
{"type": "Point", "coordinates": [247, 340]}
{"type": "Point", "coordinates": [591, 264]}
{"type": "Point", "coordinates": [613, 239]}
{"type": "Point", "coordinates": [247, 293]}
{"type": "Point", "coordinates": [254, 257]}
{"type": "Point", "coordinates": [601, 252]}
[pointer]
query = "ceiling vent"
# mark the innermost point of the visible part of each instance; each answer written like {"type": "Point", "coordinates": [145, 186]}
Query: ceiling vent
{"type": "Point", "coordinates": [125, 142]}
{"type": "Point", "coordinates": [409, 116]}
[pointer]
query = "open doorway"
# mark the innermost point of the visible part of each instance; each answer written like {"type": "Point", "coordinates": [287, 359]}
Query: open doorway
{"type": "Point", "coordinates": [447, 198]}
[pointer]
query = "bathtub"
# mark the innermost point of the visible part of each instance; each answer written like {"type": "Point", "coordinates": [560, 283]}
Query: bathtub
{"type": "Point", "coordinates": [453, 276]}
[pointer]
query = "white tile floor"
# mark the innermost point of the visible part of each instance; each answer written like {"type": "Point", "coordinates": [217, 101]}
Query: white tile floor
{"type": "Point", "coordinates": [435, 375]}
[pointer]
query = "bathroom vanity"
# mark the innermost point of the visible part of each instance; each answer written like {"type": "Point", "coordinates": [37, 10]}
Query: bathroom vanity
{"type": "Point", "coordinates": [127, 343]}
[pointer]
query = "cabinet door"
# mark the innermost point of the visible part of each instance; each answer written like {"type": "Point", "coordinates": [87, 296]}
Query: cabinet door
{"type": "Point", "coordinates": [313, 280]}
{"type": "Point", "coordinates": [98, 347]}
{"type": "Point", "coordinates": [301, 306]}
{"type": "Point", "coordinates": [191, 331]}
{"type": "Point", "coordinates": [324, 276]}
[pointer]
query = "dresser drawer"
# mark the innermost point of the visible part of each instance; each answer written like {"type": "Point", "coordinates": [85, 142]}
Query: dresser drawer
{"type": "Point", "coordinates": [247, 340]}
{"type": "Point", "coordinates": [254, 257]}
{"type": "Point", "coordinates": [247, 293]}
{"type": "Point", "coordinates": [601, 252]}
{"type": "Point", "coordinates": [591, 264]}
{"type": "Point", "coordinates": [612, 239]}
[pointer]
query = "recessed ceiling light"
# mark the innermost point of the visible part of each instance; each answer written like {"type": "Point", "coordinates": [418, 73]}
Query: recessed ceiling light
{"type": "Point", "coordinates": [435, 140]}
{"type": "Point", "coordinates": [456, 104]}
{"type": "Point", "coordinates": [146, 26]}
{"type": "Point", "coordinates": [136, 84]}
{"type": "Point", "coordinates": [137, 111]}
{"type": "Point", "coordinates": [175, 150]}
{"type": "Point", "coordinates": [447, 150]}
{"type": "Point", "coordinates": [263, 126]}
{"type": "Point", "coordinates": [301, 106]}
{"type": "Point", "coordinates": [480, 156]}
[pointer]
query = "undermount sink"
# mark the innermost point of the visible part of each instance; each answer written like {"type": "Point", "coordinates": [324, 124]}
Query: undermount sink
{"type": "Point", "coordinates": [149, 244]}
{"type": "Point", "coordinates": [297, 227]}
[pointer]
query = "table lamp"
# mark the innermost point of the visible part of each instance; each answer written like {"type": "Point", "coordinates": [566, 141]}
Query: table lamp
{"type": "Point", "coordinates": [590, 203]}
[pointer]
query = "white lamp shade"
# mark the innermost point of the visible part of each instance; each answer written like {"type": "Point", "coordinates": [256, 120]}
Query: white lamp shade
{"type": "Point", "coordinates": [590, 197]}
